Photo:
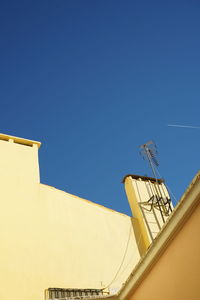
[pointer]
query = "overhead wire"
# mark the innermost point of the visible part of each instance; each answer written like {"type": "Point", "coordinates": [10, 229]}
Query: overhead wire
{"type": "Point", "coordinates": [176, 201]}
{"type": "Point", "coordinates": [122, 261]}
{"type": "Point", "coordinates": [138, 243]}
{"type": "Point", "coordinates": [123, 258]}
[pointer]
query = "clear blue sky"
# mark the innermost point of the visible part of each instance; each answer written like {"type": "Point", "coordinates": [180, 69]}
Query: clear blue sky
{"type": "Point", "coordinates": [93, 80]}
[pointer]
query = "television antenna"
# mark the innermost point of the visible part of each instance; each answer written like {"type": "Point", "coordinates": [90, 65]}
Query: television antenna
{"type": "Point", "coordinates": [163, 203]}
{"type": "Point", "coordinates": [149, 152]}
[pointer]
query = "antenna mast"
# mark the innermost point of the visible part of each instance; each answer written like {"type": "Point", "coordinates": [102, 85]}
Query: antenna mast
{"type": "Point", "coordinates": [149, 152]}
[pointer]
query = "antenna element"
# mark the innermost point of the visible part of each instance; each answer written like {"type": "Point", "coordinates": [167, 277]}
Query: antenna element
{"type": "Point", "coordinates": [149, 152]}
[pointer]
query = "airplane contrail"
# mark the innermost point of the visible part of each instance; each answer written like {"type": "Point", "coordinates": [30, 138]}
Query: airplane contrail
{"type": "Point", "coordinates": [184, 126]}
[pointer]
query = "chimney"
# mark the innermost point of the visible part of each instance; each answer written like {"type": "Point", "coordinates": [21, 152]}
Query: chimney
{"type": "Point", "coordinates": [18, 161]}
{"type": "Point", "coordinates": [150, 205]}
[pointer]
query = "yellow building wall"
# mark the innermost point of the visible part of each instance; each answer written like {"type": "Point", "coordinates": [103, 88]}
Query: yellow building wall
{"type": "Point", "coordinates": [176, 274]}
{"type": "Point", "coordinates": [50, 238]}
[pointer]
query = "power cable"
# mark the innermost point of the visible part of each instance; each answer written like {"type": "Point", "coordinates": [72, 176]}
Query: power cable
{"type": "Point", "coordinates": [138, 243]}
{"type": "Point", "coordinates": [176, 201]}
{"type": "Point", "coordinates": [123, 258]}
{"type": "Point", "coordinates": [117, 273]}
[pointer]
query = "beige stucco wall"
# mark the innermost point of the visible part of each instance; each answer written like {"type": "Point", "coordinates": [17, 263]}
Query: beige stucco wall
{"type": "Point", "coordinates": [176, 274]}
{"type": "Point", "coordinates": [50, 238]}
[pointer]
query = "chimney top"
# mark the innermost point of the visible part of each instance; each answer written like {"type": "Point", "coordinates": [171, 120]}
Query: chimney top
{"type": "Point", "coordinates": [18, 140]}
{"type": "Point", "coordinates": [144, 178]}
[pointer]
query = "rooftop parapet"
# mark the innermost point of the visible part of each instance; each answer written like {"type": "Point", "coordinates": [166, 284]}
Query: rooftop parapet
{"type": "Point", "coordinates": [18, 140]}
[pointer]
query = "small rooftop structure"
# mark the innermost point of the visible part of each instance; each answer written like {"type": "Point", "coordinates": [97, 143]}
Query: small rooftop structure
{"type": "Point", "coordinates": [18, 140]}
{"type": "Point", "coordinates": [144, 178]}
